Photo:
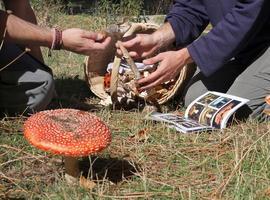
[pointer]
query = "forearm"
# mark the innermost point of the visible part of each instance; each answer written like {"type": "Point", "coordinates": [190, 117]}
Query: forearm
{"type": "Point", "coordinates": [186, 56]}
{"type": "Point", "coordinates": [21, 32]}
{"type": "Point", "coordinates": [164, 36]}
{"type": "Point", "coordinates": [23, 10]}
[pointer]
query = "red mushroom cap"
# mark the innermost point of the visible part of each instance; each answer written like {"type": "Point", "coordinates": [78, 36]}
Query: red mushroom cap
{"type": "Point", "coordinates": [67, 132]}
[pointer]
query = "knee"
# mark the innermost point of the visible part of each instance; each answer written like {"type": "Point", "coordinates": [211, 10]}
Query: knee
{"type": "Point", "coordinates": [189, 97]}
{"type": "Point", "coordinates": [40, 97]}
{"type": "Point", "coordinates": [193, 91]}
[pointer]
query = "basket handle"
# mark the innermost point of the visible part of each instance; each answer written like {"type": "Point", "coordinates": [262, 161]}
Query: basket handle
{"type": "Point", "coordinates": [114, 79]}
{"type": "Point", "coordinates": [136, 27]}
{"type": "Point", "coordinates": [115, 71]}
{"type": "Point", "coordinates": [130, 61]}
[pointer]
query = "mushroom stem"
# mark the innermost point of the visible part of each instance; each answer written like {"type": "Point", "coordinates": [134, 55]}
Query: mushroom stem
{"type": "Point", "coordinates": [72, 169]}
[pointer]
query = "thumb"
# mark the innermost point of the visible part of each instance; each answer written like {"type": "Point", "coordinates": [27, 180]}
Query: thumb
{"type": "Point", "coordinates": [101, 36]}
{"type": "Point", "coordinates": [93, 36]}
{"type": "Point", "coordinates": [130, 42]}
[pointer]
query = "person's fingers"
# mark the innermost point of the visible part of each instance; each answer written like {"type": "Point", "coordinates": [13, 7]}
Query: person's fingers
{"type": "Point", "coordinates": [149, 79]}
{"type": "Point", "coordinates": [132, 42]}
{"type": "Point", "coordinates": [154, 60]}
{"type": "Point", "coordinates": [151, 85]}
{"type": "Point", "coordinates": [119, 52]}
{"type": "Point", "coordinates": [101, 36]}
{"type": "Point", "coordinates": [93, 36]}
{"type": "Point", "coordinates": [124, 41]}
{"type": "Point", "coordinates": [106, 41]}
{"type": "Point", "coordinates": [101, 45]}
{"type": "Point", "coordinates": [133, 54]}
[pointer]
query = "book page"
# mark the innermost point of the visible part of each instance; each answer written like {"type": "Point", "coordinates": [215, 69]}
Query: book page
{"type": "Point", "coordinates": [214, 109]}
{"type": "Point", "coordinates": [209, 111]}
{"type": "Point", "coordinates": [180, 123]}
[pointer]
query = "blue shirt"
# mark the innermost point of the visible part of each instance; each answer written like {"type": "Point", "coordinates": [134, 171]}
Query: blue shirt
{"type": "Point", "coordinates": [241, 30]}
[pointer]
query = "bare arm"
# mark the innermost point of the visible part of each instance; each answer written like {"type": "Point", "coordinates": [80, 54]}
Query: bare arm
{"type": "Point", "coordinates": [164, 36]}
{"type": "Point", "coordinates": [76, 40]}
{"type": "Point", "coordinates": [22, 32]}
{"type": "Point", "coordinates": [23, 10]}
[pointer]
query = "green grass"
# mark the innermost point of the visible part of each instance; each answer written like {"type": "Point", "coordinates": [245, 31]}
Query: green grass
{"type": "Point", "coordinates": [144, 161]}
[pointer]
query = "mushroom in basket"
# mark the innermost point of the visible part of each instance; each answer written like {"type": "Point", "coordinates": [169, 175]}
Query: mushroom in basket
{"type": "Point", "coordinates": [67, 132]}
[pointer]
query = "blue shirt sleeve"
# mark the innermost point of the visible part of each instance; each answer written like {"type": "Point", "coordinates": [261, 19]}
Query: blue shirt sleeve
{"type": "Point", "coordinates": [231, 35]}
{"type": "Point", "coordinates": [188, 19]}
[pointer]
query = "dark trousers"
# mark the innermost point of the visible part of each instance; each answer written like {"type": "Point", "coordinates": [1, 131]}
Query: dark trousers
{"type": "Point", "coordinates": [252, 83]}
{"type": "Point", "coordinates": [26, 86]}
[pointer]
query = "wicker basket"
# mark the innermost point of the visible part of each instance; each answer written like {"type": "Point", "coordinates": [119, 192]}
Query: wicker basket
{"type": "Point", "coordinates": [96, 63]}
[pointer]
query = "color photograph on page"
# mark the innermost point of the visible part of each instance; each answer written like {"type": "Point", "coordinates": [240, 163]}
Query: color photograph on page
{"type": "Point", "coordinates": [211, 110]}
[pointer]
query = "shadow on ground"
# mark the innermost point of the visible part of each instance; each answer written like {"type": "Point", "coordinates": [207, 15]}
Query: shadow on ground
{"type": "Point", "coordinates": [112, 169]}
{"type": "Point", "coordinates": [72, 93]}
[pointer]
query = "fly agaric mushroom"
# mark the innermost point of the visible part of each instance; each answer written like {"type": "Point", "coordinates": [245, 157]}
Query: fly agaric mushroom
{"type": "Point", "coordinates": [67, 132]}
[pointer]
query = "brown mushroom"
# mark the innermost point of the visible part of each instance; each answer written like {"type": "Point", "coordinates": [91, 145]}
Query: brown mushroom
{"type": "Point", "coordinates": [68, 132]}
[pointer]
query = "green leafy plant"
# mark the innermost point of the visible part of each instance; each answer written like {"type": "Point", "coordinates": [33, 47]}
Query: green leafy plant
{"type": "Point", "coordinates": [110, 10]}
{"type": "Point", "coordinates": [47, 10]}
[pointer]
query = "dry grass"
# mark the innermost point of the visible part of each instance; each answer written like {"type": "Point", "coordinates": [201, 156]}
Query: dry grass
{"type": "Point", "coordinates": [145, 160]}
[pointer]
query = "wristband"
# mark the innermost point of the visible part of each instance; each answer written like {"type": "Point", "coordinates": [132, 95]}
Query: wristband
{"type": "Point", "coordinates": [57, 41]}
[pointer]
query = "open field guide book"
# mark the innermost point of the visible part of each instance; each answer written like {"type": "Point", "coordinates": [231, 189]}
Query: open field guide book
{"type": "Point", "coordinates": [209, 111]}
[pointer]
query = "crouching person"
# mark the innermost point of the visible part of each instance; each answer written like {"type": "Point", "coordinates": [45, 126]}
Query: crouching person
{"type": "Point", "coordinates": [26, 83]}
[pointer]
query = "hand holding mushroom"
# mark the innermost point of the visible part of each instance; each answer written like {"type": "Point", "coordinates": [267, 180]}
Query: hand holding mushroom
{"type": "Point", "coordinates": [83, 42]}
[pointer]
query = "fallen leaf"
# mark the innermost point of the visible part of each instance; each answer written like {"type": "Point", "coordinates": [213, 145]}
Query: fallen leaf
{"type": "Point", "coordinates": [141, 136]}
{"type": "Point", "coordinates": [87, 184]}
{"type": "Point", "coordinates": [267, 192]}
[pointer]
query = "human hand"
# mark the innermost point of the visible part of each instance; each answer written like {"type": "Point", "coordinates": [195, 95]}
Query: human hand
{"type": "Point", "coordinates": [170, 65]}
{"type": "Point", "coordinates": [140, 46]}
{"type": "Point", "coordinates": [145, 45]}
{"type": "Point", "coordinates": [84, 42]}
